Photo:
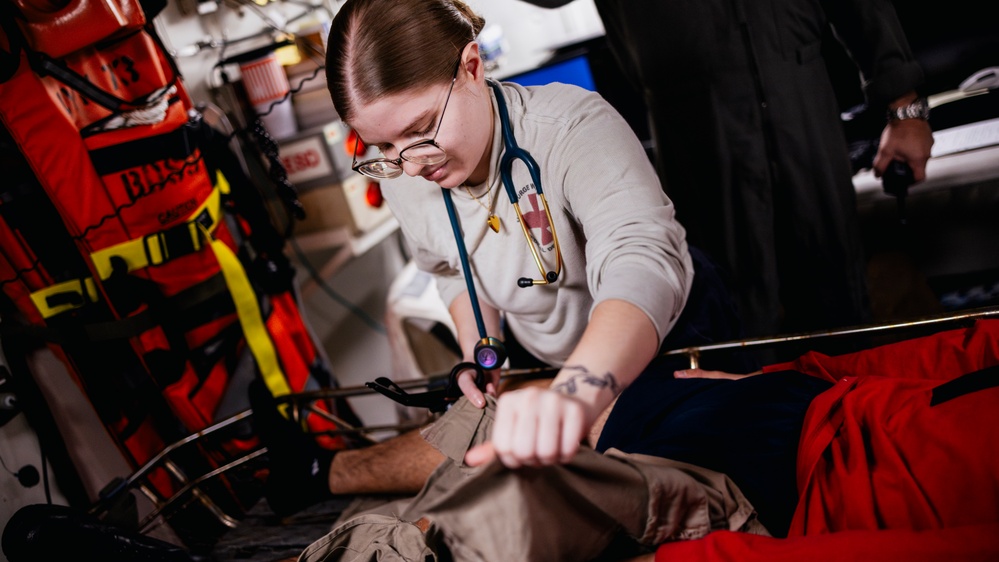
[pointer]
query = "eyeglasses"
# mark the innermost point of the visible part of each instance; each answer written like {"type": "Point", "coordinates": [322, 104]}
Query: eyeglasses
{"type": "Point", "coordinates": [424, 152]}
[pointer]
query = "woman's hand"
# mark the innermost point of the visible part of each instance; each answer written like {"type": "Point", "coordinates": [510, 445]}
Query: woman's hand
{"type": "Point", "coordinates": [544, 426]}
{"type": "Point", "coordinates": [534, 427]}
{"type": "Point", "coordinates": [466, 382]}
{"type": "Point", "coordinates": [468, 337]}
{"type": "Point", "coordinates": [702, 374]}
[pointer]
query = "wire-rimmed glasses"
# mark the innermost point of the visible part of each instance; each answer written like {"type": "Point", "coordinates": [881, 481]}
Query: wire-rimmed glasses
{"type": "Point", "coordinates": [425, 152]}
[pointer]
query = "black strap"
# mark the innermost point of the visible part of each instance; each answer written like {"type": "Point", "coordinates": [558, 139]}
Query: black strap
{"type": "Point", "coordinates": [10, 60]}
{"type": "Point", "coordinates": [966, 384]}
{"type": "Point", "coordinates": [191, 307]}
{"type": "Point", "coordinates": [178, 144]}
{"type": "Point", "coordinates": [204, 358]}
{"type": "Point", "coordinates": [45, 65]}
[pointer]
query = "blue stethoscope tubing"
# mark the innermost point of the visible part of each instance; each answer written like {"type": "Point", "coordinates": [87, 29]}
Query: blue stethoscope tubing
{"type": "Point", "coordinates": [512, 152]}
{"type": "Point", "coordinates": [489, 351]}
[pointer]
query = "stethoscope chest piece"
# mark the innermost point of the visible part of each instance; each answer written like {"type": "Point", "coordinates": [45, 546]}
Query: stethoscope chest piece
{"type": "Point", "coordinates": [490, 353]}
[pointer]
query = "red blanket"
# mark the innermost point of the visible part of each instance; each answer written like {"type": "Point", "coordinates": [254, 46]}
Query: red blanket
{"type": "Point", "coordinates": [882, 474]}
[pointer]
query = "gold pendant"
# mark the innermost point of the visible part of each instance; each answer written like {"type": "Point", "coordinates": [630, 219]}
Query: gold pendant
{"type": "Point", "coordinates": [493, 222]}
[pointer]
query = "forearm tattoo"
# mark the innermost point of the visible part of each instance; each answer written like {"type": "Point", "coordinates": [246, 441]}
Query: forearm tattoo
{"type": "Point", "coordinates": [584, 376]}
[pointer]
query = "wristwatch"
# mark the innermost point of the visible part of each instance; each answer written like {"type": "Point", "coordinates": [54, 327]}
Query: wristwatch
{"type": "Point", "coordinates": [919, 109]}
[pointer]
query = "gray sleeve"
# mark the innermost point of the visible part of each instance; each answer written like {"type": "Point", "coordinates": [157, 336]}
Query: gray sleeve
{"type": "Point", "coordinates": [449, 279]}
{"type": "Point", "coordinates": [450, 286]}
{"type": "Point", "coordinates": [450, 282]}
{"type": "Point", "coordinates": [636, 251]}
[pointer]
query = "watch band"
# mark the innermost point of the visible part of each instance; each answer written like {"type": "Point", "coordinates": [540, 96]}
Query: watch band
{"type": "Point", "coordinates": [919, 109]}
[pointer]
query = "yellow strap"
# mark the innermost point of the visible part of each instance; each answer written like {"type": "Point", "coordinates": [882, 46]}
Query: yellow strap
{"type": "Point", "coordinates": [141, 253]}
{"type": "Point", "coordinates": [248, 311]}
{"type": "Point", "coordinates": [134, 252]}
{"type": "Point", "coordinates": [76, 286]}
{"type": "Point", "coordinates": [221, 183]}
{"type": "Point", "coordinates": [147, 250]}
{"type": "Point", "coordinates": [252, 322]}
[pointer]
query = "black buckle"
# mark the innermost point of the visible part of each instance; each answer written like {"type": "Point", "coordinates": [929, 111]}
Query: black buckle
{"type": "Point", "coordinates": [72, 298]}
{"type": "Point", "coordinates": [172, 243]}
{"type": "Point", "coordinates": [435, 400]}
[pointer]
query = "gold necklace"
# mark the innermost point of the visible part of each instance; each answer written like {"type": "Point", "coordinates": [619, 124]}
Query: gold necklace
{"type": "Point", "coordinates": [493, 221]}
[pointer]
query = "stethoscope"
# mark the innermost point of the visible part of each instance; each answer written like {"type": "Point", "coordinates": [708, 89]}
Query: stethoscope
{"type": "Point", "coordinates": [489, 352]}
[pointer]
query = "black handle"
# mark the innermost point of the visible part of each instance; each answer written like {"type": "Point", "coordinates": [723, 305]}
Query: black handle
{"type": "Point", "coordinates": [897, 178]}
{"type": "Point", "coordinates": [896, 181]}
{"type": "Point", "coordinates": [437, 400]}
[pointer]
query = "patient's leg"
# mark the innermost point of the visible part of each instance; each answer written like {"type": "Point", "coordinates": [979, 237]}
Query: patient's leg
{"type": "Point", "coordinates": [400, 465]}
{"type": "Point", "coordinates": [303, 473]}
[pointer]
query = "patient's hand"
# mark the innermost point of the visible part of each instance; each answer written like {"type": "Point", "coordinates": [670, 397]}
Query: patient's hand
{"type": "Point", "coordinates": [702, 374]}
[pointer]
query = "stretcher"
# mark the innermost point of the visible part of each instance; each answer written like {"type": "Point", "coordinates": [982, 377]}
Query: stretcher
{"type": "Point", "coordinates": [260, 535]}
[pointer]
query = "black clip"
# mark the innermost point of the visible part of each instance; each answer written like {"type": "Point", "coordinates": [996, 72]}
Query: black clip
{"type": "Point", "coordinates": [896, 181]}
{"type": "Point", "coordinates": [435, 400]}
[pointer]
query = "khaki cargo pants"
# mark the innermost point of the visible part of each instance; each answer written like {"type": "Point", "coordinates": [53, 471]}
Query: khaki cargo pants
{"type": "Point", "coordinates": [569, 512]}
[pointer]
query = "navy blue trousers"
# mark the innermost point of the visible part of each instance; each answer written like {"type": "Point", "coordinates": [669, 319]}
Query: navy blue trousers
{"type": "Point", "coordinates": [747, 428]}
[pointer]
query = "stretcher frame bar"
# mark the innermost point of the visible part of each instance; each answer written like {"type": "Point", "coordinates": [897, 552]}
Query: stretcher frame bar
{"type": "Point", "coordinates": [694, 353]}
